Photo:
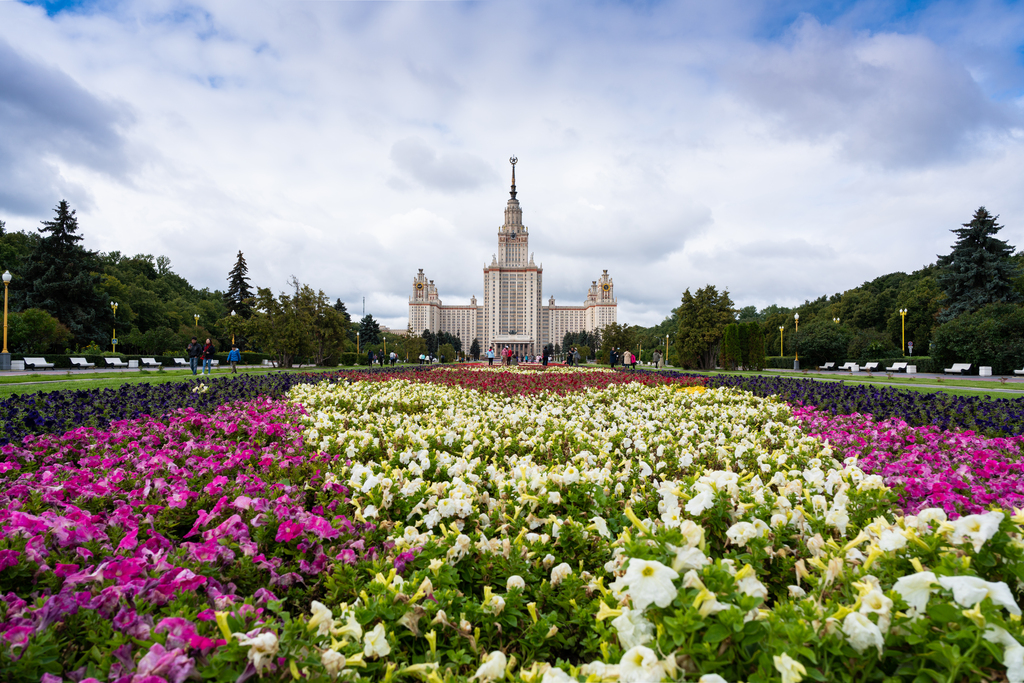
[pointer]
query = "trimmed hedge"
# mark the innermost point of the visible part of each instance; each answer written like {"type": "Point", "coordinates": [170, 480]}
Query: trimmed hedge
{"type": "Point", "coordinates": [779, 362]}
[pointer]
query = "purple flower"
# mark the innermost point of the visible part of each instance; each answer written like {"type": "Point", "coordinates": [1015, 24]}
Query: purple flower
{"type": "Point", "coordinates": [173, 664]}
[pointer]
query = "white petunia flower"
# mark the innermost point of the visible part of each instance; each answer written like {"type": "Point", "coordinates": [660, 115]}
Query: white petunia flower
{"type": "Point", "coordinates": [1013, 654]}
{"type": "Point", "coordinates": [515, 581]}
{"type": "Point", "coordinates": [862, 633]}
{"type": "Point", "coordinates": [640, 665]}
{"type": "Point", "coordinates": [792, 671]}
{"type": "Point", "coordinates": [741, 533]}
{"type": "Point", "coordinates": [970, 590]}
{"type": "Point", "coordinates": [559, 573]}
{"type": "Point", "coordinates": [632, 628]}
{"type": "Point", "coordinates": [262, 648]}
{"type": "Point", "coordinates": [976, 528]}
{"type": "Point", "coordinates": [321, 619]}
{"type": "Point", "coordinates": [705, 500]}
{"type": "Point", "coordinates": [711, 678]}
{"type": "Point", "coordinates": [892, 539]}
{"type": "Point", "coordinates": [649, 581]}
{"type": "Point", "coordinates": [493, 667]}
{"type": "Point", "coordinates": [375, 643]}
{"type": "Point", "coordinates": [916, 589]}
{"type": "Point", "coordinates": [333, 662]}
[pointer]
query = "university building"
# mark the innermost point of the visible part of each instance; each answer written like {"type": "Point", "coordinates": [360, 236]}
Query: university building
{"type": "Point", "coordinates": [512, 313]}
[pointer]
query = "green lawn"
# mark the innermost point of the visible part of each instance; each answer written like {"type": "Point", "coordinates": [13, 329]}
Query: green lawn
{"type": "Point", "coordinates": [57, 380]}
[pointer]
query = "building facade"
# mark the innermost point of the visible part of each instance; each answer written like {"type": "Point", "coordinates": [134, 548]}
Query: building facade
{"type": "Point", "coordinates": [512, 313]}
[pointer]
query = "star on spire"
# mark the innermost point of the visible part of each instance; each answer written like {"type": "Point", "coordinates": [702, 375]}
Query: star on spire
{"type": "Point", "coordinates": [513, 160]}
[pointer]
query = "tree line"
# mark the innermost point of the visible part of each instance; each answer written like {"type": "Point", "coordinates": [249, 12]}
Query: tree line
{"type": "Point", "coordinates": [61, 295]}
{"type": "Point", "coordinates": [965, 307]}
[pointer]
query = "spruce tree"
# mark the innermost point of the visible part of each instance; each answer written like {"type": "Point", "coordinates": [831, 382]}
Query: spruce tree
{"type": "Point", "coordinates": [239, 292]}
{"type": "Point", "coordinates": [339, 306]}
{"type": "Point", "coordinates": [369, 331]}
{"type": "Point", "coordinates": [980, 269]}
{"type": "Point", "coordinates": [60, 279]}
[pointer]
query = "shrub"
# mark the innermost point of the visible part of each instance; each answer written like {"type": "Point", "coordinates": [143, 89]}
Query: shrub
{"type": "Point", "coordinates": [993, 335]}
{"type": "Point", "coordinates": [348, 358]}
{"type": "Point", "coordinates": [446, 351]}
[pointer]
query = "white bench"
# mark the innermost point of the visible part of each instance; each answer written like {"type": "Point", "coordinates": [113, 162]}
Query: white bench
{"type": "Point", "coordinates": [116, 363]}
{"type": "Point", "coordinates": [897, 367]}
{"type": "Point", "coordinates": [827, 366]}
{"type": "Point", "coordinates": [871, 367]}
{"type": "Point", "coordinates": [181, 362]}
{"type": "Point", "coordinates": [81, 363]}
{"type": "Point", "coordinates": [852, 367]}
{"type": "Point", "coordinates": [151, 363]}
{"type": "Point", "coordinates": [1018, 372]}
{"type": "Point", "coordinates": [958, 369]}
{"type": "Point", "coordinates": [38, 364]}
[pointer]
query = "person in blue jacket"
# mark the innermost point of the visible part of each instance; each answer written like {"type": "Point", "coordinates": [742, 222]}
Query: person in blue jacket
{"type": "Point", "coordinates": [234, 357]}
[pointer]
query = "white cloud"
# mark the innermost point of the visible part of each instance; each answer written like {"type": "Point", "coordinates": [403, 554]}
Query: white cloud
{"type": "Point", "coordinates": [673, 144]}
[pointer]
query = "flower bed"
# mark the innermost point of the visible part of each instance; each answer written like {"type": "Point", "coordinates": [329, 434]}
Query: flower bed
{"type": "Point", "coordinates": [960, 472]}
{"type": "Point", "coordinates": [989, 416]}
{"type": "Point", "coordinates": [419, 530]}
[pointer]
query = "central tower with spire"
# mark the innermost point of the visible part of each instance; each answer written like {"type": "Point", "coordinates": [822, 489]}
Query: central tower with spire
{"type": "Point", "coordinates": [513, 236]}
{"type": "Point", "coordinates": [511, 314]}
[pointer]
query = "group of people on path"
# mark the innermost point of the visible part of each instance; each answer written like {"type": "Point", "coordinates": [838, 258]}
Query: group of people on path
{"type": "Point", "coordinates": [204, 352]}
{"type": "Point", "coordinates": [624, 357]}
{"type": "Point", "coordinates": [381, 359]}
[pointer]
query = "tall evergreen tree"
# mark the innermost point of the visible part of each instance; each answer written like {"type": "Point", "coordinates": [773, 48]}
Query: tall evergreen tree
{"type": "Point", "coordinates": [340, 307]}
{"type": "Point", "coordinates": [59, 278]}
{"type": "Point", "coordinates": [369, 331]}
{"type": "Point", "coordinates": [980, 269]}
{"type": "Point", "coordinates": [239, 292]}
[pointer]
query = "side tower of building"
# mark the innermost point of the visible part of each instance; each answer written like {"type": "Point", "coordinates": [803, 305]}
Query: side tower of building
{"type": "Point", "coordinates": [601, 306]}
{"type": "Point", "coordinates": [424, 305]}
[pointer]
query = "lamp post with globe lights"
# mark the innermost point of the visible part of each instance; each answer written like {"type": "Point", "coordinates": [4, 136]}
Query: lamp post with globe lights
{"type": "Point", "coordinates": [796, 361]}
{"type": "Point", "coordinates": [903, 330]}
{"type": "Point", "coordinates": [781, 327]}
{"type": "Point", "coordinates": [113, 337]}
{"type": "Point", "coordinates": [5, 356]}
{"type": "Point", "coordinates": [232, 328]}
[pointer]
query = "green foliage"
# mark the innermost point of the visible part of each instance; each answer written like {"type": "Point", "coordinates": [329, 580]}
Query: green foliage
{"type": "Point", "coordinates": [585, 353]}
{"type": "Point", "coordinates": [474, 349]}
{"type": "Point", "coordinates": [616, 336]}
{"type": "Point", "coordinates": [413, 347]}
{"type": "Point", "coordinates": [732, 349]}
{"type": "Point", "coordinates": [823, 341]}
{"type": "Point", "coordinates": [980, 270]}
{"type": "Point", "coordinates": [871, 344]}
{"type": "Point", "coordinates": [304, 325]}
{"type": "Point", "coordinates": [447, 352]}
{"type": "Point", "coordinates": [753, 344]}
{"type": "Point", "coordinates": [239, 294]}
{"type": "Point", "coordinates": [369, 331]}
{"type": "Point", "coordinates": [59, 277]}
{"type": "Point", "coordinates": [348, 358]}
{"type": "Point", "coordinates": [702, 319]}
{"type": "Point", "coordinates": [36, 331]}
{"type": "Point", "coordinates": [993, 336]}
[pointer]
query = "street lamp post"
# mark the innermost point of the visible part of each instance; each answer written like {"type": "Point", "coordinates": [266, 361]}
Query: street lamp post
{"type": "Point", "coordinates": [664, 363]}
{"type": "Point", "coordinates": [113, 337]}
{"type": "Point", "coordinates": [796, 361]}
{"type": "Point", "coordinates": [232, 328]}
{"type": "Point", "coordinates": [357, 342]}
{"type": "Point", "coordinates": [903, 331]}
{"type": "Point", "coordinates": [835, 320]}
{"type": "Point", "coordinates": [781, 352]}
{"type": "Point", "coordinates": [196, 317]}
{"type": "Point", "coordinates": [5, 356]}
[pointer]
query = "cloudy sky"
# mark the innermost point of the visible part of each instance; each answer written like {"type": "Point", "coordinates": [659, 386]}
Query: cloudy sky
{"type": "Point", "coordinates": [781, 150]}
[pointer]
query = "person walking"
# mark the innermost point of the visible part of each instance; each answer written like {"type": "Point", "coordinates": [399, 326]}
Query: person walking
{"type": "Point", "coordinates": [394, 358]}
{"type": "Point", "coordinates": [195, 352]}
{"type": "Point", "coordinates": [208, 357]}
{"type": "Point", "coordinates": [612, 358]}
{"type": "Point", "coordinates": [544, 361]}
{"type": "Point", "coordinates": [234, 357]}
{"type": "Point", "coordinates": [656, 357]}
{"type": "Point", "coordinates": [490, 356]}
{"type": "Point", "coordinates": [575, 356]}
